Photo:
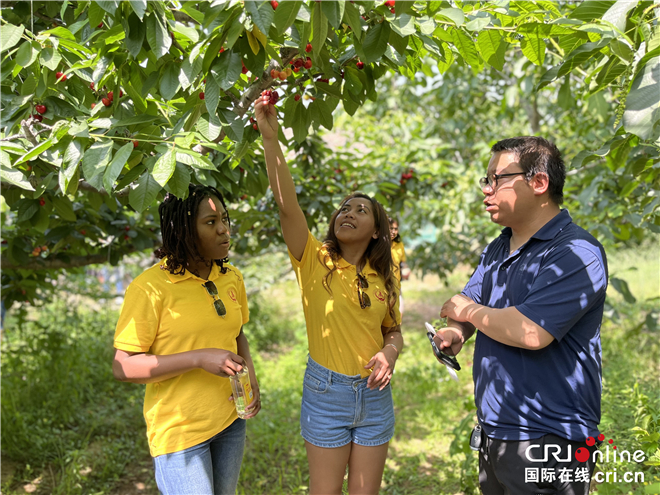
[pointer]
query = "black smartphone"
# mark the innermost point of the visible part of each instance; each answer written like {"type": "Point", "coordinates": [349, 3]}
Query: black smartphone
{"type": "Point", "coordinates": [441, 356]}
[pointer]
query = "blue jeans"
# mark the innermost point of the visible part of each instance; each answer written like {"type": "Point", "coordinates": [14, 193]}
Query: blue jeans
{"type": "Point", "coordinates": [338, 409]}
{"type": "Point", "coordinates": [209, 468]}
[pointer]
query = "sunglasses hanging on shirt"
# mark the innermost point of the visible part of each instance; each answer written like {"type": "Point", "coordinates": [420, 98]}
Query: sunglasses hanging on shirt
{"type": "Point", "coordinates": [217, 302]}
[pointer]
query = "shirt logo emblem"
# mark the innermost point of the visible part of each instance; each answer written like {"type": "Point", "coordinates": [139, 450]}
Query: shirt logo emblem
{"type": "Point", "coordinates": [232, 295]}
{"type": "Point", "coordinates": [379, 295]}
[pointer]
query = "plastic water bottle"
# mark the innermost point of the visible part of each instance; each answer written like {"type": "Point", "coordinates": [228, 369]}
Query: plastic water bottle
{"type": "Point", "coordinates": [242, 390]}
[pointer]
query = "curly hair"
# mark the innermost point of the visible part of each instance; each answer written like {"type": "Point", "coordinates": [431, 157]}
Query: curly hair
{"type": "Point", "coordinates": [179, 228]}
{"type": "Point", "coordinates": [378, 253]}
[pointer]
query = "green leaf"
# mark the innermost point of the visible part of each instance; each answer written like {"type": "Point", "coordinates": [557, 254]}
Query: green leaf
{"type": "Point", "coordinates": [322, 113]}
{"type": "Point", "coordinates": [209, 126]}
{"type": "Point", "coordinates": [465, 47]}
{"type": "Point", "coordinates": [139, 7]}
{"type": "Point", "coordinates": [116, 166]}
{"type": "Point", "coordinates": [95, 14]}
{"type": "Point", "coordinates": [10, 35]}
{"type": "Point", "coordinates": [643, 101]}
{"type": "Point", "coordinates": [178, 184]}
{"type": "Point", "coordinates": [211, 95]}
{"type": "Point", "coordinates": [352, 18]}
{"type": "Point", "coordinates": [169, 82]}
{"type": "Point", "coordinates": [618, 13]}
{"type": "Point", "coordinates": [164, 168]}
{"type": "Point", "coordinates": [477, 24]}
{"type": "Point", "coordinates": [492, 47]}
{"type": "Point", "coordinates": [144, 194]}
{"type": "Point", "coordinates": [64, 208]}
{"type": "Point", "coordinates": [404, 25]}
{"type": "Point", "coordinates": [262, 15]}
{"type": "Point", "coordinates": [455, 15]}
{"type": "Point", "coordinates": [622, 288]}
{"type": "Point", "coordinates": [96, 158]}
{"type": "Point", "coordinates": [138, 119]}
{"type": "Point", "coordinates": [135, 36]}
{"type": "Point", "coordinates": [580, 55]}
{"type": "Point", "coordinates": [37, 150]}
{"type": "Point", "coordinates": [285, 15]}
{"type": "Point", "coordinates": [72, 157]}
{"type": "Point", "coordinates": [110, 6]}
{"type": "Point", "coordinates": [319, 29]}
{"type": "Point", "coordinates": [533, 48]}
{"type": "Point", "coordinates": [26, 210]}
{"type": "Point", "coordinates": [15, 177]}
{"type": "Point", "coordinates": [49, 57]}
{"type": "Point", "coordinates": [588, 11]}
{"type": "Point", "coordinates": [187, 32]}
{"type": "Point", "coordinates": [194, 159]}
{"type": "Point", "coordinates": [227, 69]}
{"type": "Point", "coordinates": [158, 36]}
{"type": "Point", "coordinates": [376, 41]}
{"type": "Point", "coordinates": [334, 11]}
{"type": "Point", "coordinates": [26, 55]}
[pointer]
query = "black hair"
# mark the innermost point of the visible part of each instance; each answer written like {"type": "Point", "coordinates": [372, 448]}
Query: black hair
{"type": "Point", "coordinates": [178, 226]}
{"type": "Point", "coordinates": [536, 155]}
{"type": "Point", "coordinates": [393, 220]}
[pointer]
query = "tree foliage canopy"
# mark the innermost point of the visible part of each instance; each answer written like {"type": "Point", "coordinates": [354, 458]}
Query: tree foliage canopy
{"type": "Point", "coordinates": [108, 105]}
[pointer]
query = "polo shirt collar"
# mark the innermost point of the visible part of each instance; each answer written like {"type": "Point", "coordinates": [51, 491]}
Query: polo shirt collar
{"type": "Point", "coordinates": [367, 270]}
{"type": "Point", "coordinates": [549, 230]}
{"type": "Point", "coordinates": [215, 273]}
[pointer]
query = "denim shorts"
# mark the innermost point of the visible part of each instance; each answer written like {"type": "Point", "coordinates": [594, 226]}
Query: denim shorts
{"type": "Point", "coordinates": [339, 409]}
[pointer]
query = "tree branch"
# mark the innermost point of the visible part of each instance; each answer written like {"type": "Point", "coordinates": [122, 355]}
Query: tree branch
{"type": "Point", "coordinates": [58, 264]}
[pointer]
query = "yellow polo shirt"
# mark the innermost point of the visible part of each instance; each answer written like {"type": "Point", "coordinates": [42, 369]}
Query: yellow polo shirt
{"type": "Point", "coordinates": [166, 314]}
{"type": "Point", "coordinates": [342, 336]}
{"type": "Point", "coordinates": [398, 256]}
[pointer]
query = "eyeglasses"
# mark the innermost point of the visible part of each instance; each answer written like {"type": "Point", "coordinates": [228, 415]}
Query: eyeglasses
{"type": "Point", "coordinates": [217, 302]}
{"type": "Point", "coordinates": [491, 180]}
{"type": "Point", "coordinates": [363, 297]}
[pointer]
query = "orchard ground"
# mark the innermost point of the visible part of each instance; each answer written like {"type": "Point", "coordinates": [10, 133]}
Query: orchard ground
{"type": "Point", "coordinates": [69, 428]}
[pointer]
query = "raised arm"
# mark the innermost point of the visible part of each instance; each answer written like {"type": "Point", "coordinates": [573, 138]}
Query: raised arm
{"type": "Point", "coordinates": [292, 218]}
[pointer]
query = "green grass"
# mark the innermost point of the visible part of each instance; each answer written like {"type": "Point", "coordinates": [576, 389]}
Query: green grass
{"type": "Point", "coordinates": [69, 425]}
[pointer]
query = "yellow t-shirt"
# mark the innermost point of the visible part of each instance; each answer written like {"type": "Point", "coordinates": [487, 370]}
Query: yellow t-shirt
{"type": "Point", "coordinates": [342, 336]}
{"type": "Point", "coordinates": [398, 256]}
{"type": "Point", "coordinates": [166, 314]}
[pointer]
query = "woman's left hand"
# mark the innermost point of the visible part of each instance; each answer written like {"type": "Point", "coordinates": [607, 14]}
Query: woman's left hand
{"type": "Point", "coordinates": [253, 407]}
{"type": "Point", "coordinates": [383, 367]}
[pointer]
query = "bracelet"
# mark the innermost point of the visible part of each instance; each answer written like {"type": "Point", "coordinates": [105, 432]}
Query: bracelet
{"type": "Point", "coordinates": [395, 348]}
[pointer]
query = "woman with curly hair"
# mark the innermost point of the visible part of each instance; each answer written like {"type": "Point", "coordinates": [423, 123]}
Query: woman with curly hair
{"type": "Point", "coordinates": [350, 301]}
{"type": "Point", "coordinates": [181, 332]}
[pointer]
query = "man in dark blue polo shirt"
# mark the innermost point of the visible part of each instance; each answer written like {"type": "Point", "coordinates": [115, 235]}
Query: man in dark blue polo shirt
{"type": "Point", "coordinates": [537, 299]}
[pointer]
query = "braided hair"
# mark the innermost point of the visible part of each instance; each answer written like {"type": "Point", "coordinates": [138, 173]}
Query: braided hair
{"type": "Point", "coordinates": [178, 226]}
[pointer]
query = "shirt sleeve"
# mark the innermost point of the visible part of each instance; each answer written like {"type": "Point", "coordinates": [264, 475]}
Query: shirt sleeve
{"type": "Point", "coordinates": [306, 265]}
{"type": "Point", "coordinates": [473, 289]}
{"type": "Point", "coordinates": [138, 321]}
{"type": "Point", "coordinates": [571, 281]}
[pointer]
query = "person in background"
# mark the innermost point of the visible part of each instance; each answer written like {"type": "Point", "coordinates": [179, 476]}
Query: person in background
{"type": "Point", "coordinates": [537, 298]}
{"type": "Point", "coordinates": [401, 270]}
{"type": "Point", "coordinates": [350, 302]}
{"type": "Point", "coordinates": [180, 331]}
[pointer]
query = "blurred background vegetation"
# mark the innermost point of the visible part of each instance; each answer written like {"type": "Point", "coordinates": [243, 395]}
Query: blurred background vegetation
{"type": "Point", "coordinates": [69, 428]}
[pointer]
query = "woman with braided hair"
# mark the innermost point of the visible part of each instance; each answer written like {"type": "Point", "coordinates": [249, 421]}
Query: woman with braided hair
{"type": "Point", "coordinates": [350, 300]}
{"type": "Point", "coordinates": [180, 332]}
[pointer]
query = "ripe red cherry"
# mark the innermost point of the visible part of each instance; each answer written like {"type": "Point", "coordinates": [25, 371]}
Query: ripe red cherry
{"type": "Point", "coordinates": [121, 93]}
{"type": "Point", "coordinates": [100, 25]}
{"type": "Point", "coordinates": [37, 117]}
{"type": "Point", "coordinates": [135, 143]}
{"type": "Point", "coordinates": [201, 95]}
{"type": "Point", "coordinates": [60, 75]}
{"type": "Point", "coordinates": [389, 3]}
{"type": "Point", "coordinates": [297, 97]}
{"type": "Point", "coordinates": [40, 108]}
{"type": "Point", "coordinates": [244, 70]}
{"type": "Point", "coordinates": [126, 238]}
{"type": "Point", "coordinates": [127, 228]}
{"type": "Point", "coordinates": [83, 232]}
{"type": "Point", "coordinates": [222, 49]}
{"type": "Point", "coordinates": [360, 64]}
{"type": "Point", "coordinates": [274, 4]}
{"type": "Point", "coordinates": [308, 63]}
{"type": "Point", "coordinates": [111, 95]}
{"type": "Point", "coordinates": [296, 70]}
{"type": "Point", "coordinates": [308, 48]}
{"type": "Point", "coordinates": [91, 85]}
{"type": "Point", "coordinates": [299, 62]}
{"type": "Point", "coordinates": [274, 96]}
{"type": "Point", "coordinates": [392, 10]}
{"type": "Point", "coordinates": [93, 105]}
{"type": "Point", "coordinates": [42, 201]}
{"type": "Point", "coordinates": [255, 127]}
{"type": "Point", "coordinates": [106, 101]}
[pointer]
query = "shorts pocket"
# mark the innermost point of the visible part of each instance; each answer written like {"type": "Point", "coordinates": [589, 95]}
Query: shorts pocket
{"type": "Point", "coordinates": [314, 384]}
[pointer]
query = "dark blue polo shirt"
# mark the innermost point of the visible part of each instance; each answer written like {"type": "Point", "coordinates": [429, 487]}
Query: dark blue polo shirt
{"type": "Point", "coordinates": [558, 280]}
